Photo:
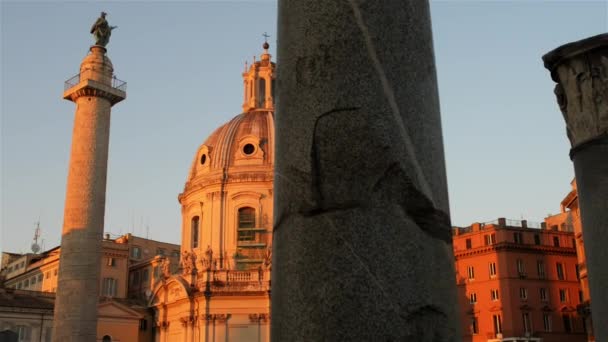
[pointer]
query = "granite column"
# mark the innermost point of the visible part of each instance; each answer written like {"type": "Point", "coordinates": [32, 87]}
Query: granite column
{"type": "Point", "coordinates": [94, 91]}
{"type": "Point", "coordinates": [581, 72]}
{"type": "Point", "coordinates": [362, 236]}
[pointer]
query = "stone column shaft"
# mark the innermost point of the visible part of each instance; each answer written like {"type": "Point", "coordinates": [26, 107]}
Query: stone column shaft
{"type": "Point", "coordinates": [362, 239]}
{"type": "Point", "coordinates": [75, 317]}
{"type": "Point", "coordinates": [581, 72]}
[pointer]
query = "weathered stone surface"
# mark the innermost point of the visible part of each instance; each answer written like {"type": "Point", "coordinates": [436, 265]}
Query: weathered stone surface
{"type": "Point", "coordinates": [362, 244]}
{"type": "Point", "coordinates": [79, 265]}
{"type": "Point", "coordinates": [581, 72]}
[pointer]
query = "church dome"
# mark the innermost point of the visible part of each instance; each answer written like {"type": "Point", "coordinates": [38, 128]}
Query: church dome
{"type": "Point", "coordinates": [244, 143]}
{"type": "Point", "coordinates": [244, 146]}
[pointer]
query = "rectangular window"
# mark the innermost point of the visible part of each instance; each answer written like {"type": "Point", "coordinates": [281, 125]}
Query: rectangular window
{"type": "Point", "coordinates": [518, 237]}
{"type": "Point", "coordinates": [145, 276]}
{"type": "Point", "coordinates": [567, 323]}
{"type": "Point", "coordinates": [39, 277]}
{"type": "Point", "coordinates": [473, 298]}
{"type": "Point", "coordinates": [497, 324]}
{"type": "Point", "coordinates": [143, 324]}
{"type": "Point", "coordinates": [33, 280]}
{"type": "Point", "coordinates": [55, 273]}
{"type": "Point", "coordinates": [23, 333]}
{"type": "Point", "coordinates": [160, 251]}
{"type": "Point", "coordinates": [48, 334]}
{"type": "Point", "coordinates": [536, 239]}
{"type": "Point", "coordinates": [492, 267]}
{"type": "Point", "coordinates": [560, 271]}
{"type": "Point", "coordinates": [487, 240]}
{"type": "Point", "coordinates": [194, 227]}
{"type": "Point", "coordinates": [246, 225]}
{"type": "Point", "coordinates": [580, 296]}
{"type": "Point", "coordinates": [468, 243]}
{"type": "Point", "coordinates": [111, 262]}
{"type": "Point", "coordinates": [543, 295]}
{"type": "Point", "coordinates": [471, 272]}
{"type": "Point", "coordinates": [547, 322]}
{"type": "Point", "coordinates": [109, 287]}
{"type": "Point", "coordinates": [521, 270]}
{"type": "Point", "coordinates": [493, 238]}
{"type": "Point", "coordinates": [527, 323]}
{"type": "Point", "coordinates": [523, 293]}
{"type": "Point", "coordinates": [47, 275]}
{"type": "Point", "coordinates": [494, 294]}
{"type": "Point", "coordinates": [474, 326]}
{"type": "Point", "coordinates": [540, 268]}
{"type": "Point", "coordinates": [578, 275]}
{"type": "Point", "coordinates": [563, 295]}
{"type": "Point", "coordinates": [136, 252]}
{"type": "Point", "coordinates": [556, 241]}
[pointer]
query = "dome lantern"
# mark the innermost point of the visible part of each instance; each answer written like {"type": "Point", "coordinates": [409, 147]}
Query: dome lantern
{"type": "Point", "coordinates": [258, 83]}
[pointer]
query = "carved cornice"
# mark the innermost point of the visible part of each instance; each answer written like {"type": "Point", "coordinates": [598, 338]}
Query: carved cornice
{"type": "Point", "coordinates": [509, 246]}
{"type": "Point", "coordinates": [581, 72]}
{"type": "Point", "coordinates": [204, 181]}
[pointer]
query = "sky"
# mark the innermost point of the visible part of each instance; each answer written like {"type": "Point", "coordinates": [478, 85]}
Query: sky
{"type": "Point", "coordinates": [505, 142]}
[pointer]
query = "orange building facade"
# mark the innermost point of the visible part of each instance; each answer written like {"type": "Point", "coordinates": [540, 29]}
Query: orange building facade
{"type": "Point", "coordinates": [517, 282]}
{"type": "Point", "coordinates": [570, 217]}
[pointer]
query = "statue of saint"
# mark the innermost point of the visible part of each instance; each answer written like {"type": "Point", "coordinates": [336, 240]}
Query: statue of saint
{"type": "Point", "coordinates": [166, 268]}
{"type": "Point", "coordinates": [101, 30]}
{"type": "Point", "coordinates": [186, 264]}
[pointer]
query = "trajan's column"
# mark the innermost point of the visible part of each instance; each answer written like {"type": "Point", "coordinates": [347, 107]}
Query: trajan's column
{"type": "Point", "coordinates": [95, 91]}
{"type": "Point", "coordinates": [581, 72]}
{"type": "Point", "coordinates": [362, 245]}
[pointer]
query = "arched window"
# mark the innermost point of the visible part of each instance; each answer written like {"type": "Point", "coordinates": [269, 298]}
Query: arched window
{"type": "Point", "coordinates": [262, 93]}
{"type": "Point", "coordinates": [194, 228]}
{"type": "Point", "coordinates": [106, 338]}
{"type": "Point", "coordinates": [246, 224]}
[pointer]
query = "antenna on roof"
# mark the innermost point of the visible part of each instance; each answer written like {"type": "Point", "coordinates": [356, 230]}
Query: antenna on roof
{"type": "Point", "coordinates": [35, 246]}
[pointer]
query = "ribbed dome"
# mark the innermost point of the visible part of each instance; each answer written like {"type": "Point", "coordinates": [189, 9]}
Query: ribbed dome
{"type": "Point", "coordinates": [245, 142]}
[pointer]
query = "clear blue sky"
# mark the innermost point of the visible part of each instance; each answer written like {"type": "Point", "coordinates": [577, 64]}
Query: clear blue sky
{"type": "Point", "coordinates": [506, 148]}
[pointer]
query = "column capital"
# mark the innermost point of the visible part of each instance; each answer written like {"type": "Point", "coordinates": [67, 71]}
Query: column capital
{"type": "Point", "coordinates": [580, 70]}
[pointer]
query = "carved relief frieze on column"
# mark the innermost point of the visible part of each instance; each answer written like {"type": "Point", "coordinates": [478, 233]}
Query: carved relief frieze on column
{"type": "Point", "coordinates": [581, 72]}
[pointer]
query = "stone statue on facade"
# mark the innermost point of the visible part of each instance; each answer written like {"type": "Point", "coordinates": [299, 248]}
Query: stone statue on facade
{"type": "Point", "coordinates": [102, 31]}
{"type": "Point", "coordinates": [209, 256]}
{"type": "Point", "coordinates": [186, 263]}
{"type": "Point", "coordinates": [166, 268]}
{"type": "Point", "coordinates": [267, 263]}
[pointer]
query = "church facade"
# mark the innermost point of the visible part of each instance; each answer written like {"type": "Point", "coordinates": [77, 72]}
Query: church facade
{"type": "Point", "coordinates": [222, 292]}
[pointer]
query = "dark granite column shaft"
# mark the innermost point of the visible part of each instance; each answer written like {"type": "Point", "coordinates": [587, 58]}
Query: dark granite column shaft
{"type": "Point", "coordinates": [581, 72]}
{"type": "Point", "coordinates": [362, 239]}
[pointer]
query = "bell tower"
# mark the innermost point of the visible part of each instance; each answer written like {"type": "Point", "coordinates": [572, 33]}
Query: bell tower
{"type": "Point", "coordinates": [259, 83]}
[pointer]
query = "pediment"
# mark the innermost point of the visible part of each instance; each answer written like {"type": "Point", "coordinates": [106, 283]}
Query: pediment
{"type": "Point", "coordinates": [113, 309]}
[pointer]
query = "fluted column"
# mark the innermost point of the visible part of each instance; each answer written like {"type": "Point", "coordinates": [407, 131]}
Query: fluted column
{"type": "Point", "coordinates": [362, 239]}
{"type": "Point", "coordinates": [581, 72]}
{"type": "Point", "coordinates": [75, 317]}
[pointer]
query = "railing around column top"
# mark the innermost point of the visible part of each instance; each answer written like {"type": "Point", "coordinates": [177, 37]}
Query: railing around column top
{"type": "Point", "coordinates": [116, 83]}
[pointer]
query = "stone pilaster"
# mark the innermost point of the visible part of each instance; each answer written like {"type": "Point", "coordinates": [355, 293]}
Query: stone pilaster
{"type": "Point", "coordinates": [75, 317]}
{"type": "Point", "coordinates": [362, 245]}
{"type": "Point", "coordinates": [581, 72]}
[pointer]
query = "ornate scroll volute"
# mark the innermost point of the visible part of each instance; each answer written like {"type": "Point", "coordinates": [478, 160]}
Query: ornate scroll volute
{"type": "Point", "coordinates": [581, 72]}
